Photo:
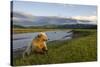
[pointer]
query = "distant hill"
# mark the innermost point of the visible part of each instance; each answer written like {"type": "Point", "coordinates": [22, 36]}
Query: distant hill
{"type": "Point", "coordinates": [69, 26]}
{"type": "Point", "coordinates": [21, 20]}
{"type": "Point", "coordinates": [18, 26]}
{"type": "Point", "coordinates": [30, 20]}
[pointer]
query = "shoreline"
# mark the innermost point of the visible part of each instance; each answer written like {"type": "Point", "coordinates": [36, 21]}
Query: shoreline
{"type": "Point", "coordinates": [76, 34]}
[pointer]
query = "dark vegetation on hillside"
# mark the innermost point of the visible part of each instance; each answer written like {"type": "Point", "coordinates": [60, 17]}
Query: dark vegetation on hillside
{"type": "Point", "coordinates": [70, 26]}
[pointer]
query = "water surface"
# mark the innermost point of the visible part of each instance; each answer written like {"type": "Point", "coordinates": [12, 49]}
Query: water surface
{"type": "Point", "coordinates": [24, 39]}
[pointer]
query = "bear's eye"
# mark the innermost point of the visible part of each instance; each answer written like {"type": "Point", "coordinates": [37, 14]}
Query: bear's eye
{"type": "Point", "coordinates": [39, 35]}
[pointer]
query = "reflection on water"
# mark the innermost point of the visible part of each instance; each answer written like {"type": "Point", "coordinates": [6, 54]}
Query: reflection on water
{"type": "Point", "coordinates": [22, 40]}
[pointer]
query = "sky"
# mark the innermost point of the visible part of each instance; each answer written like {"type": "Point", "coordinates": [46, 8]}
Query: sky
{"type": "Point", "coordinates": [51, 9]}
{"type": "Point", "coordinates": [27, 9]}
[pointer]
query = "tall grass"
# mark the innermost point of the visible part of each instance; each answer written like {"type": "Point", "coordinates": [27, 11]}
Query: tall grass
{"type": "Point", "coordinates": [78, 49]}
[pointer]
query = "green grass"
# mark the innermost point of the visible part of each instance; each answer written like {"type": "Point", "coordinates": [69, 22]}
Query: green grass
{"type": "Point", "coordinates": [81, 48]}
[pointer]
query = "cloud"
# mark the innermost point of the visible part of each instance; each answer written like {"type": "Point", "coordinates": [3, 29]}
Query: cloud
{"type": "Point", "coordinates": [69, 5]}
{"type": "Point", "coordinates": [90, 18]}
{"type": "Point", "coordinates": [21, 16]}
{"type": "Point", "coordinates": [21, 19]}
{"type": "Point", "coordinates": [94, 12]}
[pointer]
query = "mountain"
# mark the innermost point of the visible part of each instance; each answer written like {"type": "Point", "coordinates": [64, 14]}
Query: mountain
{"type": "Point", "coordinates": [23, 19]}
{"type": "Point", "coordinates": [18, 26]}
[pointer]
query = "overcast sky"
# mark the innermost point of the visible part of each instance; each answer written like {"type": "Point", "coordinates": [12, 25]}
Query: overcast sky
{"type": "Point", "coordinates": [51, 9]}
{"type": "Point", "coordinates": [29, 9]}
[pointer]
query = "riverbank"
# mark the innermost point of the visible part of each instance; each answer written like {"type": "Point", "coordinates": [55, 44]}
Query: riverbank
{"type": "Point", "coordinates": [82, 48]}
{"type": "Point", "coordinates": [19, 31]}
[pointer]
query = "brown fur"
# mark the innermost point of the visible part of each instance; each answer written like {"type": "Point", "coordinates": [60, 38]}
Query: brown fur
{"type": "Point", "coordinates": [38, 44]}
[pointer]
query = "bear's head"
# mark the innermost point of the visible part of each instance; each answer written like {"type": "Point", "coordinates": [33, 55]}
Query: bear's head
{"type": "Point", "coordinates": [42, 36]}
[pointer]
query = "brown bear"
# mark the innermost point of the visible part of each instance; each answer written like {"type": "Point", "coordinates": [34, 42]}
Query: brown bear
{"type": "Point", "coordinates": [38, 44]}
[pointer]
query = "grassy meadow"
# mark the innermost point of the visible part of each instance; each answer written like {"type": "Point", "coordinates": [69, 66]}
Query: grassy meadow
{"type": "Point", "coordinates": [82, 48]}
